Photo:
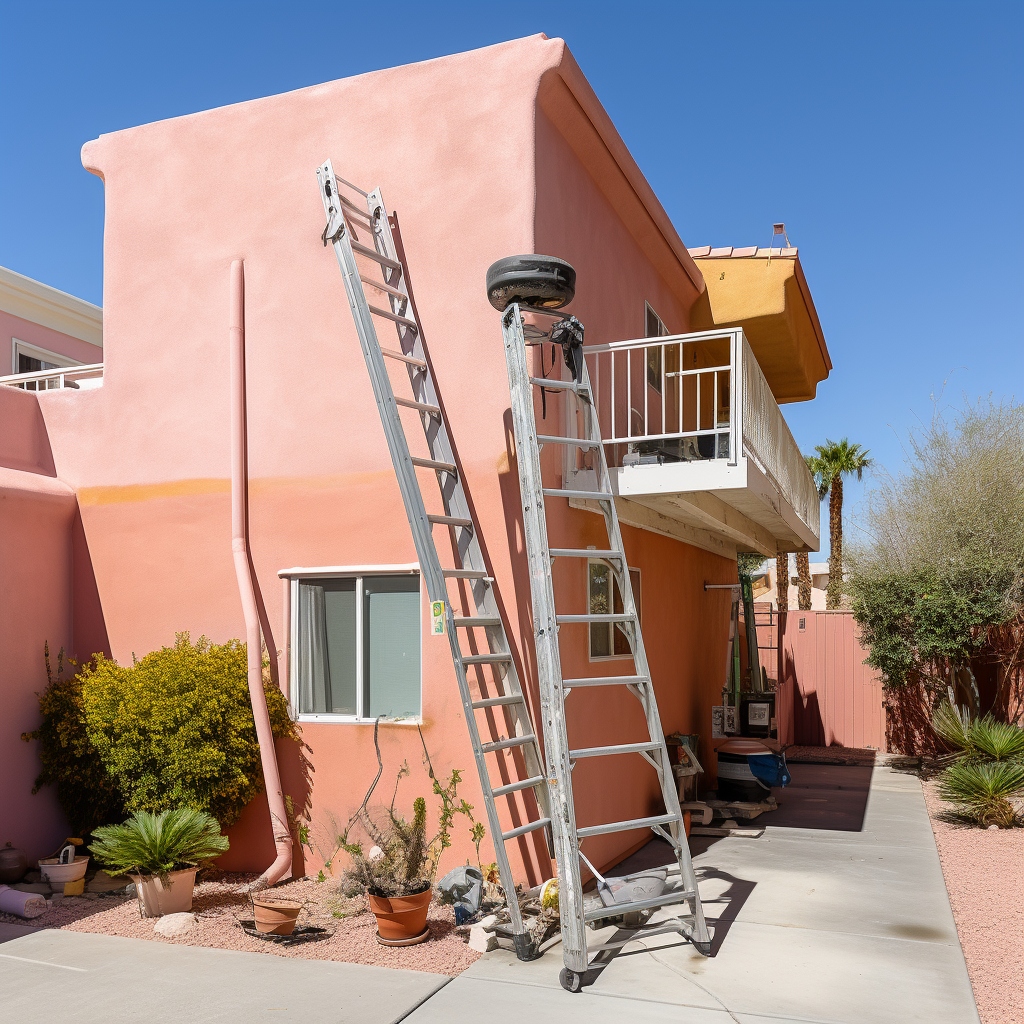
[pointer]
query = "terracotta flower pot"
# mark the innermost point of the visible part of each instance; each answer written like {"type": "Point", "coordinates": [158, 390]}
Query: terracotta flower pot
{"type": "Point", "coordinates": [275, 917]}
{"type": "Point", "coordinates": [401, 918]}
{"type": "Point", "coordinates": [174, 897]}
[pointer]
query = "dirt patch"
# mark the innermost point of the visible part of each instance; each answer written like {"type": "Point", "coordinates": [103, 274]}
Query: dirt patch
{"type": "Point", "coordinates": [984, 872]}
{"type": "Point", "coordinates": [220, 908]}
{"type": "Point", "coordinates": [863, 757]}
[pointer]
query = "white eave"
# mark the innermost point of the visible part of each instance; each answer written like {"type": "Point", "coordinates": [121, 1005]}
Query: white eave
{"type": "Point", "coordinates": [49, 307]}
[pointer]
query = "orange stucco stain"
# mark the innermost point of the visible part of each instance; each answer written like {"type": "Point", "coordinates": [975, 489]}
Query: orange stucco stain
{"type": "Point", "coordinates": [129, 493]}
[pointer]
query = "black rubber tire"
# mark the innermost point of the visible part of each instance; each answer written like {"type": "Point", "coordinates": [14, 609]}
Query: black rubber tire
{"type": "Point", "coordinates": [542, 281]}
{"type": "Point", "coordinates": [570, 980]}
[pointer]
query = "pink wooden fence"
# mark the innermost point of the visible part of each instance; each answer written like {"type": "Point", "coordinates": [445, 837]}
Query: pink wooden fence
{"type": "Point", "coordinates": [827, 695]}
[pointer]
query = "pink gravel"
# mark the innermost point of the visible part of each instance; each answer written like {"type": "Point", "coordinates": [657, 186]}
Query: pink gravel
{"type": "Point", "coordinates": [984, 872]}
{"type": "Point", "coordinates": [220, 908]}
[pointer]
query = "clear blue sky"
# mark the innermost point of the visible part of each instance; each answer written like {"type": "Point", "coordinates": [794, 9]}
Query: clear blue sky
{"type": "Point", "coordinates": [888, 138]}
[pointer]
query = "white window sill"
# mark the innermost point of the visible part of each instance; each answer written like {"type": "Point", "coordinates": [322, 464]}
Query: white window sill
{"type": "Point", "coordinates": [352, 720]}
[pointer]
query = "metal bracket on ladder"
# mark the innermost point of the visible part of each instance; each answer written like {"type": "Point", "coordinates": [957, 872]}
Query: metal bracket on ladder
{"type": "Point", "coordinates": [384, 272]}
{"type": "Point", "coordinates": [553, 688]}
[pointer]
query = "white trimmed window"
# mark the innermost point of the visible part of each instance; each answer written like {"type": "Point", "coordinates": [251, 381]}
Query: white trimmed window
{"type": "Point", "coordinates": [26, 358]}
{"type": "Point", "coordinates": [654, 327]}
{"type": "Point", "coordinates": [355, 645]}
{"type": "Point", "coordinates": [605, 598]}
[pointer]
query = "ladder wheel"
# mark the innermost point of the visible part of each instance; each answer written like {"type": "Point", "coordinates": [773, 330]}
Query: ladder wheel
{"type": "Point", "coordinates": [543, 281]}
{"type": "Point", "coordinates": [570, 980]}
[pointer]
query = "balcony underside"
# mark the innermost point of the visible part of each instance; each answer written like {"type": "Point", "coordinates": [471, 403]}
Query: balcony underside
{"type": "Point", "coordinates": [713, 505]}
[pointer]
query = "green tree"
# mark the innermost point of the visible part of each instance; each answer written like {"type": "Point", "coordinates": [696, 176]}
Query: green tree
{"type": "Point", "coordinates": [833, 461]}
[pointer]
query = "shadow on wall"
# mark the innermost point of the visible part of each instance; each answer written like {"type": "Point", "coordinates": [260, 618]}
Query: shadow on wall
{"type": "Point", "coordinates": [89, 628]}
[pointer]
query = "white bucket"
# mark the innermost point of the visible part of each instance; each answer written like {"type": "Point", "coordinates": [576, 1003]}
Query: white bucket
{"type": "Point", "coordinates": [57, 874]}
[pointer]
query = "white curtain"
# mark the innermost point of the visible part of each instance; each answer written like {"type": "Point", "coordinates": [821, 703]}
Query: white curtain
{"type": "Point", "coordinates": [313, 671]}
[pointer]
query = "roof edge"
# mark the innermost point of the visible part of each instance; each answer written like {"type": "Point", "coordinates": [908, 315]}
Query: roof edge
{"type": "Point", "coordinates": [47, 306]}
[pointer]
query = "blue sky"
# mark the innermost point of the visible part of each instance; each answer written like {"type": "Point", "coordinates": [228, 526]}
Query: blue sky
{"type": "Point", "coordinates": [888, 138]}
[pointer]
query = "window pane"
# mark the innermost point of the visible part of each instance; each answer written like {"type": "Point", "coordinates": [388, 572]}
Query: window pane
{"type": "Point", "coordinates": [340, 607]}
{"type": "Point", "coordinates": [600, 634]}
{"type": "Point", "coordinates": [391, 612]}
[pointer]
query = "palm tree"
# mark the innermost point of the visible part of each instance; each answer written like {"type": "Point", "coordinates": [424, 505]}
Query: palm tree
{"type": "Point", "coordinates": [782, 581]}
{"type": "Point", "coordinates": [803, 573]}
{"type": "Point", "coordinates": [834, 460]}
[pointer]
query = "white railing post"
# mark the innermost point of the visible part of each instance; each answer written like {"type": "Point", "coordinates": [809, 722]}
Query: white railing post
{"type": "Point", "coordinates": [735, 397]}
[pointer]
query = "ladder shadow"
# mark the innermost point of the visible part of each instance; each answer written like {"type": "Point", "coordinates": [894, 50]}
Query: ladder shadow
{"type": "Point", "coordinates": [731, 901]}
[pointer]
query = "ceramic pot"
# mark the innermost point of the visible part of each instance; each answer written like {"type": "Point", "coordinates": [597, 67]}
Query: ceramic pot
{"type": "Point", "coordinates": [157, 898]}
{"type": "Point", "coordinates": [57, 874]}
{"type": "Point", "coordinates": [13, 865]}
{"type": "Point", "coordinates": [401, 917]}
{"type": "Point", "coordinates": [275, 917]}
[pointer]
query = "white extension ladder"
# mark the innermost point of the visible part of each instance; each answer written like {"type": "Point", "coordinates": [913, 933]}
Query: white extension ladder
{"type": "Point", "coordinates": [574, 913]}
{"type": "Point", "coordinates": [499, 698]}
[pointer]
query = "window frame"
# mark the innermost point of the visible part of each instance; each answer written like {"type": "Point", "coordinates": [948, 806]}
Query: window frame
{"type": "Point", "coordinates": [354, 572]}
{"type": "Point", "coordinates": [663, 332]}
{"type": "Point", "coordinates": [610, 626]}
{"type": "Point", "coordinates": [19, 347]}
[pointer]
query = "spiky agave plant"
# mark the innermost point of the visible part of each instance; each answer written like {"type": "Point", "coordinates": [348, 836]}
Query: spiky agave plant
{"type": "Point", "coordinates": [156, 844]}
{"type": "Point", "coordinates": [978, 739]}
{"type": "Point", "coordinates": [982, 792]}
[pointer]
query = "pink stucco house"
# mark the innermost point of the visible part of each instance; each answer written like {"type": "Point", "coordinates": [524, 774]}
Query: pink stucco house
{"type": "Point", "coordinates": [123, 489]}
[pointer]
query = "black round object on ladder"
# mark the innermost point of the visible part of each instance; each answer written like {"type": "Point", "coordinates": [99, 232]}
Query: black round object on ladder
{"type": "Point", "coordinates": [542, 281]}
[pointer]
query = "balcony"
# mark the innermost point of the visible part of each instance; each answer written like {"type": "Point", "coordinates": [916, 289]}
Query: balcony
{"type": "Point", "coordinates": [80, 376]}
{"type": "Point", "coordinates": [697, 445]}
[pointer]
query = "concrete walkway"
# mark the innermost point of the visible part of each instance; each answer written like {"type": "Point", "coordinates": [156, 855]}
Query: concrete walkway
{"type": "Point", "coordinates": [837, 914]}
{"type": "Point", "coordinates": [843, 922]}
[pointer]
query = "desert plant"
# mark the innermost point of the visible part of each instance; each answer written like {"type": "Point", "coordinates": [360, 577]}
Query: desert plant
{"type": "Point", "coordinates": [983, 791]}
{"type": "Point", "coordinates": [87, 794]}
{"type": "Point", "coordinates": [978, 739]}
{"type": "Point", "coordinates": [392, 856]}
{"type": "Point", "coordinates": [175, 729]}
{"type": "Point", "coordinates": [156, 844]}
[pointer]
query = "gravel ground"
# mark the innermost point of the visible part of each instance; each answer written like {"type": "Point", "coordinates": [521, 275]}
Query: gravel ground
{"type": "Point", "coordinates": [220, 908]}
{"type": "Point", "coordinates": [984, 872]}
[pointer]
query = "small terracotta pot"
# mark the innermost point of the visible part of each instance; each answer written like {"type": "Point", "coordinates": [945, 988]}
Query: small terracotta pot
{"type": "Point", "coordinates": [401, 917]}
{"type": "Point", "coordinates": [275, 917]}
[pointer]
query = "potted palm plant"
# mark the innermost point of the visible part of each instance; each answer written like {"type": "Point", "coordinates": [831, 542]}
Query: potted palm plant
{"type": "Point", "coordinates": [162, 853]}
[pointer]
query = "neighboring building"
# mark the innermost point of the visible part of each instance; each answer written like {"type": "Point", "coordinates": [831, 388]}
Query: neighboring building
{"type": "Point", "coordinates": [481, 155]}
{"type": "Point", "coordinates": [766, 587]}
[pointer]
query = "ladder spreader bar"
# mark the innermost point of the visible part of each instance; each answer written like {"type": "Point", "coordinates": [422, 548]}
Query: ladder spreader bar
{"type": "Point", "coordinates": [580, 442]}
{"type": "Point", "coordinates": [606, 681]}
{"type": "Point", "coordinates": [620, 748]}
{"type": "Point", "coordinates": [561, 492]}
{"type": "Point", "coordinates": [515, 741]}
{"type": "Point", "coordinates": [562, 385]}
{"type": "Point", "coordinates": [523, 829]}
{"type": "Point", "coordinates": [515, 787]}
{"type": "Point", "coordinates": [625, 826]}
{"type": "Point", "coordinates": [595, 618]}
{"type": "Point", "coordinates": [664, 900]}
{"type": "Point", "coordinates": [584, 553]}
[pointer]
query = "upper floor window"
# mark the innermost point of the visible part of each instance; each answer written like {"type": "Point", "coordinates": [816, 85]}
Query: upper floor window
{"type": "Point", "coordinates": [356, 646]}
{"type": "Point", "coordinates": [605, 598]}
{"type": "Point", "coordinates": [654, 328]}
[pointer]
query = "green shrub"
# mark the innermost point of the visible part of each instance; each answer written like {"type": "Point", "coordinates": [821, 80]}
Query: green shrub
{"type": "Point", "coordinates": [982, 791]}
{"type": "Point", "coordinates": [156, 844]}
{"type": "Point", "coordinates": [86, 792]}
{"type": "Point", "coordinates": [176, 729]}
{"type": "Point", "coordinates": [978, 739]}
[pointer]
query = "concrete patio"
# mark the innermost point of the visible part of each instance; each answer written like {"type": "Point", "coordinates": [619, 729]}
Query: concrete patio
{"type": "Point", "coordinates": [837, 914]}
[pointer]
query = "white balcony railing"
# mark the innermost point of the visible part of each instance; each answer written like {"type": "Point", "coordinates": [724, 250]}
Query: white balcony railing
{"type": "Point", "coordinates": [696, 397]}
{"type": "Point", "coordinates": [87, 376]}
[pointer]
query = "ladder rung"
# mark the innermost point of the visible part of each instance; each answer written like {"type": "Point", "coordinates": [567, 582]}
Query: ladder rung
{"type": "Point", "coordinates": [419, 406]}
{"type": "Point", "coordinates": [486, 659]}
{"type": "Point", "coordinates": [397, 317]}
{"type": "Point", "coordinates": [580, 442]}
{"type": "Point", "coordinates": [515, 787]}
{"type": "Point", "coordinates": [515, 741]}
{"type": "Point", "coordinates": [469, 621]}
{"type": "Point", "coordinates": [523, 829]}
{"type": "Point", "coordinates": [466, 574]}
{"type": "Point", "coordinates": [411, 360]}
{"type": "Point", "coordinates": [450, 521]}
{"type": "Point", "coordinates": [664, 900]}
{"type": "Point", "coordinates": [594, 618]}
{"type": "Point", "coordinates": [490, 702]}
{"type": "Point", "coordinates": [621, 748]}
{"type": "Point", "coordinates": [625, 826]}
{"type": "Point", "coordinates": [440, 467]}
{"type": "Point", "coordinates": [605, 681]}
{"type": "Point", "coordinates": [559, 492]}
{"type": "Point", "coordinates": [561, 385]}
{"type": "Point", "coordinates": [374, 255]}
{"type": "Point", "coordinates": [584, 553]}
{"type": "Point", "coordinates": [383, 287]}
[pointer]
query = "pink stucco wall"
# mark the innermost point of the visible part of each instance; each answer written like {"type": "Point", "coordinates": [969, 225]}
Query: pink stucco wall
{"type": "Point", "coordinates": [480, 155]}
{"type": "Point", "coordinates": [12, 327]}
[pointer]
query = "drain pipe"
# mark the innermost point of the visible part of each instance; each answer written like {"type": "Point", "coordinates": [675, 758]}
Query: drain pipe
{"type": "Point", "coordinates": [281, 868]}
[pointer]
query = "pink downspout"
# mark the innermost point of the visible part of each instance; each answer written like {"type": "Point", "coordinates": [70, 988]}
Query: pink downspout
{"type": "Point", "coordinates": [281, 868]}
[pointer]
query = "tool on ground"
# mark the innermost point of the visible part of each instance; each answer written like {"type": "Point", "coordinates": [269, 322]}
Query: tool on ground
{"type": "Point", "coordinates": [584, 434]}
{"type": "Point", "coordinates": [358, 226]}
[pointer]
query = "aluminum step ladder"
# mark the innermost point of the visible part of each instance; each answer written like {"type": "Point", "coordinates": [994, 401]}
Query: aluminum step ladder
{"type": "Point", "coordinates": [554, 690]}
{"type": "Point", "coordinates": [353, 215]}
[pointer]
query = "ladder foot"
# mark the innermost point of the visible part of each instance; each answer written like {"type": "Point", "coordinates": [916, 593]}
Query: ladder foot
{"type": "Point", "coordinates": [526, 947]}
{"type": "Point", "coordinates": [570, 980]}
{"type": "Point", "coordinates": [704, 948]}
